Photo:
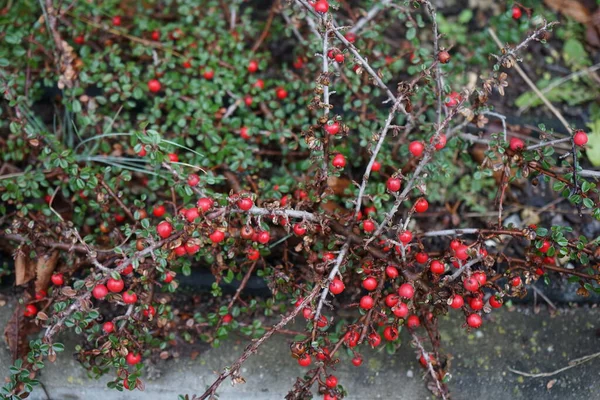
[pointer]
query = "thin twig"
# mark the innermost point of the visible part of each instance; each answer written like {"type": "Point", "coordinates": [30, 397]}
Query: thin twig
{"type": "Point", "coordinates": [572, 363]}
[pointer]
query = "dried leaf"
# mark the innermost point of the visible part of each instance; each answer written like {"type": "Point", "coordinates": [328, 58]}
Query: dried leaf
{"type": "Point", "coordinates": [24, 269]}
{"type": "Point", "coordinates": [570, 8]}
{"type": "Point", "coordinates": [550, 384]}
{"type": "Point", "coordinates": [45, 267]}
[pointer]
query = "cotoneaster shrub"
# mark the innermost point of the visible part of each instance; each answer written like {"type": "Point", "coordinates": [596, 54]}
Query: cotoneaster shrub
{"type": "Point", "coordinates": [142, 140]}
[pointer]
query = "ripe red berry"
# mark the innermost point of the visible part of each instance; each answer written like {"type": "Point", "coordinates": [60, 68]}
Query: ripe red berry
{"type": "Point", "coordinates": [133, 358]}
{"type": "Point", "coordinates": [421, 205]}
{"type": "Point", "coordinates": [164, 229]}
{"type": "Point", "coordinates": [115, 285]}
{"type": "Point", "coordinates": [150, 312]}
{"type": "Point", "coordinates": [474, 320]}
{"type": "Point", "coordinates": [191, 214]}
{"type": "Point", "coordinates": [30, 310]}
{"type": "Point", "coordinates": [331, 381]}
{"type": "Point", "coordinates": [367, 302]}
{"type": "Point", "coordinates": [264, 237]}
{"type": "Point", "coordinates": [339, 58]}
{"type": "Point", "coordinates": [374, 339]}
{"type": "Point", "coordinates": [58, 279]}
{"type": "Point", "coordinates": [155, 35]}
{"type": "Point", "coordinates": [281, 93]}
{"type": "Point", "coordinates": [406, 290]}
{"type": "Point", "coordinates": [116, 21]}
{"type": "Point", "coordinates": [545, 246]}
{"type": "Point", "coordinates": [304, 360]}
{"type": "Point", "coordinates": [437, 267]}
{"type": "Point", "coordinates": [350, 36]}
{"type": "Point", "coordinates": [259, 84]}
{"type": "Point", "coordinates": [193, 180]}
{"type": "Point", "coordinates": [191, 247]}
{"type": "Point", "coordinates": [580, 138]}
{"type": "Point", "coordinates": [455, 244]}
{"type": "Point", "coordinates": [390, 333]}
{"type": "Point", "coordinates": [457, 301]}
{"type": "Point", "coordinates": [440, 143]}
{"type": "Point", "coordinates": [400, 310]}
{"type": "Point", "coordinates": [376, 166]}
{"type": "Point", "coordinates": [169, 276]}
{"type": "Point", "coordinates": [405, 236]}
{"type": "Point", "coordinates": [339, 161]}
{"type": "Point", "coordinates": [227, 318]}
{"type": "Point", "coordinates": [370, 283]}
{"type": "Point", "coordinates": [481, 277]}
{"type": "Point", "coordinates": [127, 270]}
{"type": "Point", "coordinates": [413, 322]}
{"type": "Point", "coordinates": [476, 303]}
{"type": "Point", "coordinates": [129, 297]}
{"type": "Point", "coordinates": [159, 210]}
{"type": "Point", "coordinates": [453, 99]}
{"type": "Point", "coordinates": [393, 184]}
{"type": "Point", "coordinates": [99, 292]}
{"type": "Point", "coordinates": [516, 12]}
{"type": "Point", "coordinates": [357, 361]}
{"type": "Point", "coordinates": [299, 229]}
{"type": "Point", "coordinates": [461, 252]}
{"type": "Point", "coordinates": [173, 157]}
{"type": "Point", "coordinates": [471, 284]}
{"type": "Point", "coordinates": [444, 57]}
{"type": "Point", "coordinates": [154, 85]}
{"type": "Point", "coordinates": [391, 300]}
{"type": "Point", "coordinates": [79, 39]}
{"type": "Point", "coordinates": [336, 286]}
{"type": "Point", "coordinates": [495, 302]}
{"type": "Point", "coordinates": [321, 6]}
{"type": "Point", "coordinates": [328, 256]}
{"type": "Point", "coordinates": [416, 148]}
{"type": "Point", "coordinates": [217, 236]}
{"type": "Point", "coordinates": [245, 203]}
{"type": "Point", "coordinates": [252, 254]}
{"type": "Point", "coordinates": [515, 281]}
{"type": "Point", "coordinates": [391, 272]}
{"type": "Point", "coordinates": [516, 144]}
{"type": "Point", "coordinates": [41, 295]}
{"type": "Point", "coordinates": [108, 327]}
{"type": "Point", "coordinates": [187, 64]}
{"type": "Point", "coordinates": [204, 204]}
{"type": "Point", "coordinates": [368, 226]}
{"type": "Point", "coordinates": [252, 66]}
{"type": "Point", "coordinates": [208, 74]}
{"type": "Point", "coordinates": [333, 128]}
{"type": "Point", "coordinates": [248, 100]}
{"type": "Point", "coordinates": [421, 258]}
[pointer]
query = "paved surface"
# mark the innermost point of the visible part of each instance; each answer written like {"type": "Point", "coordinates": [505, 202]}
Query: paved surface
{"type": "Point", "coordinates": [517, 338]}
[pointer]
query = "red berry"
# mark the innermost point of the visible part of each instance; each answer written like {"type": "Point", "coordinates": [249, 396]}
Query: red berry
{"type": "Point", "coordinates": [173, 157]}
{"type": "Point", "coordinates": [127, 270]}
{"type": "Point", "coordinates": [108, 327]}
{"type": "Point", "coordinates": [413, 322]}
{"type": "Point", "coordinates": [191, 214]}
{"type": "Point", "coordinates": [116, 21]}
{"type": "Point", "coordinates": [304, 360]}
{"type": "Point", "coordinates": [321, 6]}
{"type": "Point", "coordinates": [339, 58]}
{"type": "Point", "coordinates": [57, 279]}
{"type": "Point", "coordinates": [281, 93]}
{"type": "Point", "coordinates": [454, 244]}
{"type": "Point", "coordinates": [252, 66]}
{"type": "Point", "coordinates": [298, 63]}
{"type": "Point", "coordinates": [461, 252]}
{"type": "Point", "coordinates": [154, 85]}
{"type": "Point", "coordinates": [155, 35]}
{"type": "Point", "coordinates": [331, 381]}
{"type": "Point", "coordinates": [217, 236]}
{"type": "Point", "coordinates": [481, 277]}
{"type": "Point", "coordinates": [476, 303]}
{"type": "Point", "coordinates": [328, 256]}
{"type": "Point", "coordinates": [159, 211]}
{"type": "Point", "coordinates": [545, 246]}
{"type": "Point", "coordinates": [443, 57]}
{"type": "Point", "coordinates": [299, 229]}
{"type": "Point", "coordinates": [440, 143]}
{"type": "Point", "coordinates": [80, 39]}
{"type": "Point", "coordinates": [400, 310]}
{"type": "Point", "coordinates": [133, 358]}
{"type": "Point", "coordinates": [259, 84]}
{"type": "Point", "coordinates": [474, 320]}
{"type": "Point", "coordinates": [41, 295]}
{"type": "Point", "coordinates": [405, 236]}
{"type": "Point", "coordinates": [332, 128]}
{"type": "Point", "coordinates": [391, 300]}
{"type": "Point", "coordinates": [453, 99]}
{"type": "Point", "coordinates": [421, 205]}
{"type": "Point", "coordinates": [416, 148]}
{"type": "Point", "coordinates": [307, 313]}
{"type": "Point", "coordinates": [516, 144]}
{"type": "Point", "coordinates": [193, 180]}
{"type": "Point", "coordinates": [99, 292]}
{"type": "Point", "coordinates": [248, 100]}
{"type": "Point", "coordinates": [227, 318]}
{"type": "Point", "coordinates": [30, 310]}
{"type": "Point", "coordinates": [495, 302]}
{"type": "Point", "coordinates": [390, 333]}
{"type": "Point", "coordinates": [516, 281]}
{"type": "Point", "coordinates": [187, 64]}
{"type": "Point", "coordinates": [245, 203]}
{"type": "Point", "coordinates": [180, 251]}
{"type": "Point", "coordinates": [457, 301]}
{"type": "Point", "coordinates": [580, 138]}
{"type": "Point", "coordinates": [376, 166]}
{"type": "Point", "coordinates": [393, 184]}
{"type": "Point", "coordinates": [264, 237]}
{"type": "Point", "coordinates": [150, 312]}
{"type": "Point", "coordinates": [367, 302]}
{"type": "Point", "coordinates": [370, 283]}
{"type": "Point", "coordinates": [164, 229]}
{"type": "Point", "coordinates": [516, 12]}
{"type": "Point", "coordinates": [209, 74]}
{"type": "Point", "coordinates": [357, 361]}
{"type": "Point", "coordinates": [406, 290]}
{"type": "Point", "coordinates": [391, 272]}
{"type": "Point", "coordinates": [169, 276]}
{"type": "Point", "coordinates": [421, 258]}
{"type": "Point", "coordinates": [252, 254]}
{"type": "Point", "coordinates": [374, 339]}
{"type": "Point", "coordinates": [244, 133]}
{"type": "Point", "coordinates": [191, 247]}
{"type": "Point", "coordinates": [336, 286]}
{"type": "Point", "coordinates": [437, 267]}
{"type": "Point", "coordinates": [339, 161]}
{"type": "Point", "coordinates": [471, 284]}
{"type": "Point", "coordinates": [350, 36]}
{"type": "Point", "coordinates": [129, 297]}
{"type": "Point", "coordinates": [204, 204]}
{"type": "Point", "coordinates": [115, 285]}
{"type": "Point", "coordinates": [368, 226]}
